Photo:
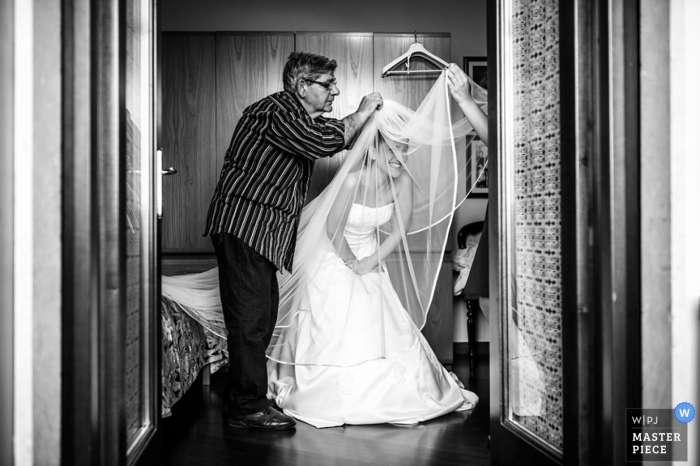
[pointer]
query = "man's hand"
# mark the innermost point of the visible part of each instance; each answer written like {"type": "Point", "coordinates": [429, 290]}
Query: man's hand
{"type": "Point", "coordinates": [354, 122]}
{"type": "Point", "coordinates": [371, 103]}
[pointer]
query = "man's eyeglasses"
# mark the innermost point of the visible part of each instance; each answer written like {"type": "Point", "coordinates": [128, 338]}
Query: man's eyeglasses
{"type": "Point", "coordinates": [327, 84]}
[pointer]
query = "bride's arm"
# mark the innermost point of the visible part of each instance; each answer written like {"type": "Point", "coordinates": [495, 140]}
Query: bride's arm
{"type": "Point", "coordinates": [338, 215]}
{"type": "Point", "coordinates": [402, 217]}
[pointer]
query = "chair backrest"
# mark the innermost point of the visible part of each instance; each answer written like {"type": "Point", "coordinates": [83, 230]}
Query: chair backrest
{"type": "Point", "coordinates": [469, 229]}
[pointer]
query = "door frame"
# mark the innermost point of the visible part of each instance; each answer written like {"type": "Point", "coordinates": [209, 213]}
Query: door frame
{"type": "Point", "coordinates": [94, 242]}
{"type": "Point", "coordinates": [91, 420]}
{"type": "Point", "coordinates": [509, 443]}
{"type": "Point", "coordinates": [601, 255]}
{"type": "Point", "coordinates": [7, 231]}
{"type": "Point", "coordinates": [613, 188]}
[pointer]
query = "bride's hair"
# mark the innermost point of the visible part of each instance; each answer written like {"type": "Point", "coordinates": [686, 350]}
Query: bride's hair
{"type": "Point", "coordinates": [380, 142]}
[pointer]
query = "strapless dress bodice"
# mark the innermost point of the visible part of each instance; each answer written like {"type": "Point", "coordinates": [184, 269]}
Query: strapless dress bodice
{"type": "Point", "coordinates": [361, 227]}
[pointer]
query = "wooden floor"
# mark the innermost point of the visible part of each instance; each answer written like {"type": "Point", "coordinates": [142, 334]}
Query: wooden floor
{"type": "Point", "coordinates": [196, 435]}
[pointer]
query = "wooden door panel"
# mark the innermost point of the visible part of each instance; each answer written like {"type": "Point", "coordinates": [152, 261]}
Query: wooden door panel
{"type": "Point", "coordinates": [406, 89]}
{"type": "Point", "coordinates": [189, 139]}
{"type": "Point", "coordinates": [248, 67]}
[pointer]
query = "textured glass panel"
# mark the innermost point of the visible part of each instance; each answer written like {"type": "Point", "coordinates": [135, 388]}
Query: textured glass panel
{"type": "Point", "coordinates": [133, 229]}
{"type": "Point", "coordinates": [138, 117]}
{"type": "Point", "coordinates": [534, 317]}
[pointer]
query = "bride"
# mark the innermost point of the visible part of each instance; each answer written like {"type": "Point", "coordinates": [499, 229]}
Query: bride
{"type": "Point", "coordinates": [347, 347]}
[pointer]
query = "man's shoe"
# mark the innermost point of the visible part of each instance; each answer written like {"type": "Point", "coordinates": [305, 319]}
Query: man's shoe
{"type": "Point", "coordinates": [274, 405]}
{"type": "Point", "coordinates": [269, 419]}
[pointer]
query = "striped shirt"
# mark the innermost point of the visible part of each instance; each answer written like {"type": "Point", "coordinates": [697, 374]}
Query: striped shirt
{"type": "Point", "coordinates": [266, 174]}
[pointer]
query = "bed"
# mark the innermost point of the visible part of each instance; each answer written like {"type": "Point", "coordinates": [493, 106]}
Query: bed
{"type": "Point", "coordinates": [188, 349]}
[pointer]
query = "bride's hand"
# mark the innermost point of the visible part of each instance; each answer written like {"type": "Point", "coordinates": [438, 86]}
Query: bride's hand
{"type": "Point", "coordinates": [351, 263]}
{"type": "Point", "coordinates": [365, 266]}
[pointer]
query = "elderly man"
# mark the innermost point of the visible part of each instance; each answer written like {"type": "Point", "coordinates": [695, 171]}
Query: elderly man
{"type": "Point", "coordinates": [254, 214]}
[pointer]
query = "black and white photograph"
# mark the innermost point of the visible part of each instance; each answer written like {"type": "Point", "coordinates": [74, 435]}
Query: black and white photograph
{"type": "Point", "coordinates": [478, 184]}
{"type": "Point", "coordinates": [477, 69]}
{"type": "Point", "coordinates": [448, 233]}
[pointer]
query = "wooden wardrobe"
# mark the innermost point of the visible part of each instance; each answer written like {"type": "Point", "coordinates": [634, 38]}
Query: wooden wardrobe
{"type": "Point", "coordinates": [209, 78]}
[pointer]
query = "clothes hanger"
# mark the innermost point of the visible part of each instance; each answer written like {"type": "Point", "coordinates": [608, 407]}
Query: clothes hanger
{"type": "Point", "coordinates": [416, 49]}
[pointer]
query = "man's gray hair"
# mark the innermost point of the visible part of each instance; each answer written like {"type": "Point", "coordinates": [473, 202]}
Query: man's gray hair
{"type": "Point", "coordinates": [302, 65]}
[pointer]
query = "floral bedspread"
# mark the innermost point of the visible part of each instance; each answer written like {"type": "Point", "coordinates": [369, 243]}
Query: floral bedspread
{"type": "Point", "coordinates": [187, 348]}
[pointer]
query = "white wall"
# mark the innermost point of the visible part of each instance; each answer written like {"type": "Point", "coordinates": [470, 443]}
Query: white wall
{"type": "Point", "coordinates": [685, 217]}
{"type": "Point", "coordinates": [465, 20]}
{"type": "Point", "coordinates": [37, 223]}
{"type": "Point", "coordinates": [670, 169]}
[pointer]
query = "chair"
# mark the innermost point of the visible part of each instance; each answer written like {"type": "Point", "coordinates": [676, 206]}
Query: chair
{"type": "Point", "coordinates": [471, 300]}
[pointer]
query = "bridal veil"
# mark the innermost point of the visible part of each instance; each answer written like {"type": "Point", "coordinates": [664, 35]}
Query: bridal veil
{"type": "Point", "coordinates": [398, 147]}
{"type": "Point", "coordinates": [411, 164]}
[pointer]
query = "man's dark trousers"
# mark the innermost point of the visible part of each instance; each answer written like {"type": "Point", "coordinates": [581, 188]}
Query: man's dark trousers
{"type": "Point", "coordinates": [249, 298]}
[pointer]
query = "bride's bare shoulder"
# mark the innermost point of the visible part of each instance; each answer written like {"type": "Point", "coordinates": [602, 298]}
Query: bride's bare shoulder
{"type": "Point", "coordinates": [404, 181]}
{"type": "Point", "coordinates": [351, 179]}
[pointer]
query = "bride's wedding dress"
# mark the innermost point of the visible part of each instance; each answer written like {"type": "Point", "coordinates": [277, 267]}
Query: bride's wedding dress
{"type": "Point", "coordinates": [347, 315]}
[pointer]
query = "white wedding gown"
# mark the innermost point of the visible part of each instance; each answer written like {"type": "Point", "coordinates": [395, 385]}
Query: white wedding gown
{"type": "Point", "coordinates": [347, 321]}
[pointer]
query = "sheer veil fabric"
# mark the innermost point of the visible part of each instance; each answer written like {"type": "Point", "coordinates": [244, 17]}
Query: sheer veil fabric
{"type": "Point", "coordinates": [368, 253]}
{"type": "Point", "coordinates": [407, 169]}
{"type": "Point", "coordinates": [430, 144]}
